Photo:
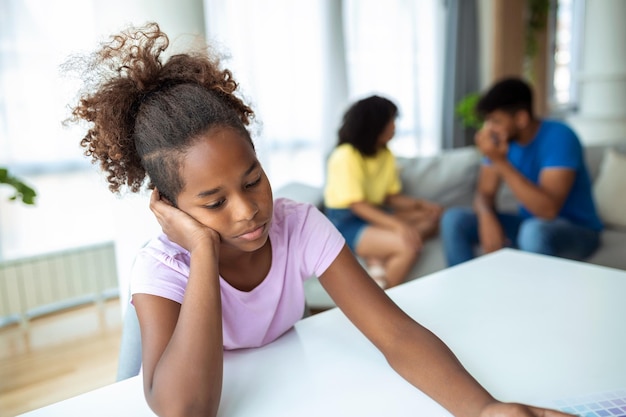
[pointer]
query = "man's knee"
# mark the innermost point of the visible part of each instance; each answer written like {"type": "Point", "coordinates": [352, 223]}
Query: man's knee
{"type": "Point", "coordinates": [535, 235]}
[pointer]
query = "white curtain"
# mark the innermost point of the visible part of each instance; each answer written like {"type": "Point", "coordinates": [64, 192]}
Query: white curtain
{"type": "Point", "coordinates": [35, 38]}
{"type": "Point", "coordinates": [302, 63]}
{"type": "Point", "coordinates": [395, 48]}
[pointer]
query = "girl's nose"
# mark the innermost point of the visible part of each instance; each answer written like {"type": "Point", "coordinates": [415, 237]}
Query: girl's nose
{"type": "Point", "coordinates": [246, 208]}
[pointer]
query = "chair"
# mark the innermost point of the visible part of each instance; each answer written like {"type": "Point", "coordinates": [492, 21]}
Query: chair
{"type": "Point", "coordinates": [129, 359]}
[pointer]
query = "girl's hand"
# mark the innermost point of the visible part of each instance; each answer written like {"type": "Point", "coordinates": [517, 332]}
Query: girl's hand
{"type": "Point", "coordinates": [180, 227]}
{"type": "Point", "coordinates": [519, 410]}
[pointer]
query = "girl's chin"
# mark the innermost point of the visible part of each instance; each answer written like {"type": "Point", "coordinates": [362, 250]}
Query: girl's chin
{"type": "Point", "coordinates": [247, 245]}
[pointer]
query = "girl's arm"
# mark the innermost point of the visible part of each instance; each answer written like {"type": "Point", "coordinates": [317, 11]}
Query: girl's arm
{"type": "Point", "coordinates": [376, 216]}
{"type": "Point", "coordinates": [182, 348]}
{"type": "Point", "coordinates": [406, 203]}
{"type": "Point", "coordinates": [412, 350]}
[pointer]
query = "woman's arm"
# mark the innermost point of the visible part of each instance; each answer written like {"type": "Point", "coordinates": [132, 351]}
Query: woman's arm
{"type": "Point", "coordinates": [376, 216]}
{"type": "Point", "coordinates": [182, 347]}
{"type": "Point", "coordinates": [406, 202]}
{"type": "Point", "coordinates": [412, 350]}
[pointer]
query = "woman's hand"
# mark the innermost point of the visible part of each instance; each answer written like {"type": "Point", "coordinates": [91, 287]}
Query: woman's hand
{"type": "Point", "coordinates": [432, 209]}
{"type": "Point", "coordinates": [410, 233]}
{"type": "Point", "coordinates": [180, 227]}
{"type": "Point", "coordinates": [519, 410]}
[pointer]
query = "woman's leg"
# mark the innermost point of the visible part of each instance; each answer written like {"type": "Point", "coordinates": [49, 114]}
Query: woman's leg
{"type": "Point", "coordinates": [398, 258]}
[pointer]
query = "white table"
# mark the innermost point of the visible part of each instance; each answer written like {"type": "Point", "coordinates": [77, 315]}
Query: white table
{"type": "Point", "coordinates": [530, 328]}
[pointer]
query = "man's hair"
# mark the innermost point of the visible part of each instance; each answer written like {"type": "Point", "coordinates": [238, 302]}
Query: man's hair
{"type": "Point", "coordinates": [509, 95]}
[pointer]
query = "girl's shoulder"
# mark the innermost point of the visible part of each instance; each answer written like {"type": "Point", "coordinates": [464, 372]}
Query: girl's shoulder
{"type": "Point", "coordinates": [288, 210]}
{"type": "Point", "coordinates": [293, 218]}
{"type": "Point", "coordinates": [345, 150]}
{"type": "Point", "coordinates": [163, 251]}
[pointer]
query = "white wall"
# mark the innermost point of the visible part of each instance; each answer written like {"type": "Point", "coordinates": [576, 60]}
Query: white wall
{"type": "Point", "coordinates": [602, 80]}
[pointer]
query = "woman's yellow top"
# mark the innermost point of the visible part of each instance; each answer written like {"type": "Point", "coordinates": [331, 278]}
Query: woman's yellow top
{"type": "Point", "coordinates": [352, 177]}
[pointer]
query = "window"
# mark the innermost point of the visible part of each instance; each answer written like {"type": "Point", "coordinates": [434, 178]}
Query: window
{"type": "Point", "coordinates": [299, 64]}
{"type": "Point", "coordinates": [567, 44]}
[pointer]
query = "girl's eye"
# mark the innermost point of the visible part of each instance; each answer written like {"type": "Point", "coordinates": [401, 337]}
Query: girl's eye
{"type": "Point", "coordinates": [214, 205]}
{"type": "Point", "coordinates": [254, 183]}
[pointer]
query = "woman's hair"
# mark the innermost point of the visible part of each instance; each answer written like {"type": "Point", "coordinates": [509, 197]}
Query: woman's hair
{"type": "Point", "coordinates": [365, 121]}
{"type": "Point", "coordinates": [509, 95]}
{"type": "Point", "coordinates": [144, 114]}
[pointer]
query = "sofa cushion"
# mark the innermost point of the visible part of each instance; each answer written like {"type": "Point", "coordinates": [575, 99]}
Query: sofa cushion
{"type": "Point", "coordinates": [611, 251]}
{"type": "Point", "coordinates": [448, 178]}
{"type": "Point", "coordinates": [609, 188]}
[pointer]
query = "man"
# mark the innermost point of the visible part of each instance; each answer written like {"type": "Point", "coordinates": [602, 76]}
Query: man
{"type": "Point", "coordinates": [543, 164]}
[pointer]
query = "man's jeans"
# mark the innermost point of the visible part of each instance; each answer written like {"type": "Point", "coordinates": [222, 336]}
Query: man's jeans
{"type": "Point", "coordinates": [558, 237]}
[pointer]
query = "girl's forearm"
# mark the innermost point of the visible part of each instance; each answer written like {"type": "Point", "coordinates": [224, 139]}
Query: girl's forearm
{"type": "Point", "coordinates": [187, 379]}
{"type": "Point", "coordinates": [436, 371]}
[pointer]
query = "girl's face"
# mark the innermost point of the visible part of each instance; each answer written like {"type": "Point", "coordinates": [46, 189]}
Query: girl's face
{"type": "Point", "coordinates": [227, 190]}
{"type": "Point", "coordinates": [387, 134]}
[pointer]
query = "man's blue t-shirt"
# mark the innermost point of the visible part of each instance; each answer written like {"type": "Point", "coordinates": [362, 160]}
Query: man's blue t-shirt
{"type": "Point", "coordinates": [557, 146]}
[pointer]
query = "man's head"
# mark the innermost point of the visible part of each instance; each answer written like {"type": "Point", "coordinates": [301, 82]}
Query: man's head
{"type": "Point", "coordinates": [507, 109]}
{"type": "Point", "coordinates": [509, 95]}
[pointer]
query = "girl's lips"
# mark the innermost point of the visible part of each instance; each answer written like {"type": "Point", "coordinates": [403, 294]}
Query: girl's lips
{"type": "Point", "coordinates": [253, 235]}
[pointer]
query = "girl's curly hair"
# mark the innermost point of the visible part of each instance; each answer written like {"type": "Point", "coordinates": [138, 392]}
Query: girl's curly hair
{"type": "Point", "coordinates": [365, 121]}
{"type": "Point", "coordinates": [144, 114]}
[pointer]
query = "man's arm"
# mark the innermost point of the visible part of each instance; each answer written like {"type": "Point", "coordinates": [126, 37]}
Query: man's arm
{"type": "Point", "coordinates": [486, 189]}
{"type": "Point", "coordinates": [490, 231]}
{"type": "Point", "coordinates": [543, 200]}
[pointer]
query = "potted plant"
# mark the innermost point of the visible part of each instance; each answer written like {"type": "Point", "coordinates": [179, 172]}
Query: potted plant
{"type": "Point", "coordinates": [22, 191]}
{"type": "Point", "coordinates": [465, 110]}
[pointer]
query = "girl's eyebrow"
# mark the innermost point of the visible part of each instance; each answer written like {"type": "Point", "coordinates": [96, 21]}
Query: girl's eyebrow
{"type": "Point", "coordinates": [212, 191]}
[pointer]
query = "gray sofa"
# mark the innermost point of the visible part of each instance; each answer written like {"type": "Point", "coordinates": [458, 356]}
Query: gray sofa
{"type": "Point", "coordinates": [449, 178]}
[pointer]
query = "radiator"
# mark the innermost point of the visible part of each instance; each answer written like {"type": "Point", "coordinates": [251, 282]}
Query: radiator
{"type": "Point", "coordinates": [42, 284]}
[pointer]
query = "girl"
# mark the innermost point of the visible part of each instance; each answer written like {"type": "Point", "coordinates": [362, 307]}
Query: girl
{"type": "Point", "coordinates": [227, 272]}
{"type": "Point", "coordinates": [363, 196]}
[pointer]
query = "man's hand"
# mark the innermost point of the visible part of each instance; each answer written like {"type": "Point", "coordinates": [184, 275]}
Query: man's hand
{"type": "Point", "coordinates": [489, 143]}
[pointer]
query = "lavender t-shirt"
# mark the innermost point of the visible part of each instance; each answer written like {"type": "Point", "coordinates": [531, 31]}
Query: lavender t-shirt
{"type": "Point", "coordinates": [304, 243]}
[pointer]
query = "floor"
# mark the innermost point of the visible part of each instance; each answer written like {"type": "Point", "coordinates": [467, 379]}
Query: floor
{"type": "Point", "coordinates": [60, 355]}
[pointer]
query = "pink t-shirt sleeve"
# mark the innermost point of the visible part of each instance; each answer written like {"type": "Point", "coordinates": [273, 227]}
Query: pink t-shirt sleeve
{"type": "Point", "coordinates": [320, 242]}
{"type": "Point", "coordinates": [161, 268]}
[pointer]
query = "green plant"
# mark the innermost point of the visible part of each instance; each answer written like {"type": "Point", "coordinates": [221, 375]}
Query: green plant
{"type": "Point", "coordinates": [22, 191]}
{"type": "Point", "coordinates": [466, 111]}
{"type": "Point", "coordinates": [536, 22]}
